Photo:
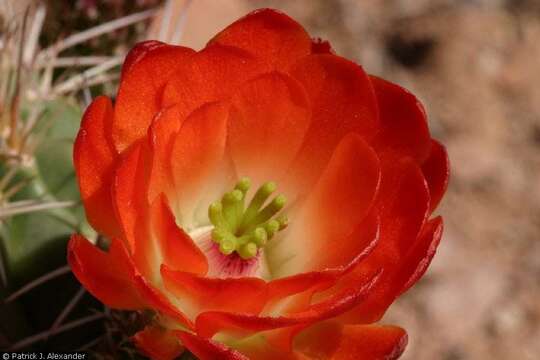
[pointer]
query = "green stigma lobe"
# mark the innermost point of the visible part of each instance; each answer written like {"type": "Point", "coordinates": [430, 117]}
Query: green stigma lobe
{"type": "Point", "coordinates": [246, 230]}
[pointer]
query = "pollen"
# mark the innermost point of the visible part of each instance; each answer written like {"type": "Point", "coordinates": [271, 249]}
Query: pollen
{"type": "Point", "coordinates": [245, 229]}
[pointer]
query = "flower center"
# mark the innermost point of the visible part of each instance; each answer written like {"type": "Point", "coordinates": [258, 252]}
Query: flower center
{"type": "Point", "coordinates": [242, 229]}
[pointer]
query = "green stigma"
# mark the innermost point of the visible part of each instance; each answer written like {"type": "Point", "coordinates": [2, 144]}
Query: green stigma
{"type": "Point", "coordinates": [246, 229]}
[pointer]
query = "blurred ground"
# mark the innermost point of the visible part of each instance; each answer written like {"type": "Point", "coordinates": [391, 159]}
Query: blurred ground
{"type": "Point", "coordinates": [475, 65]}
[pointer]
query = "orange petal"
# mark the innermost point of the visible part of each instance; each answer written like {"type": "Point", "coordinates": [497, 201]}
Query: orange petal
{"type": "Point", "coordinates": [211, 322]}
{"type": "Point", "coordinates": [436, 170]}
{"type": "Point", "coordinates": [156, 300]}
{"type": "Point", "coordinates": [213, 74]}
{"type": "Point", "coordinates": [197, 160]}
{"type": "Point", "coordinates": [402, 203]}
{"type": "Point", "coordinates": [342, 101]}
{"type": "Point", "coordinates": [245, 295]}
{"type": "Point", "coordinates": [109, 276]}
{"type": "Point", "coordinates": [161, 137]}
{"type": "Point", "coordinates": [147, 68]}
{"type": "Point", "coordinates": [361, 342]}
{"type": "Point", "coordinates": [269, 117]}
{"type": "Point", "coordinates": [342, 301]}
{"type": "Point", "coordinates": [419, 257]}
{"type": "Point", "coordinates": [269, 35]}
{"type": "Point", "coordinates": [295, 293]}
{"type": "Point", "coordinates": [404, 127]}
{"type": "Point", "coordinates": [158, 343]}
{"type": "Point", "coordinates": [403, 207]}
{"type": "Point", "coordinates": [355, 247]}
{"type": "Point", "coordinates": [319, 341]}
{"type": "Point", "coordinates": [129, 191]}
{"type": "Point", "coordinates": [371, 342]}
{"type": "Point", "coordinates": [113, 279]}
{"type": "Point", "coordinates": [319, 235]}
{"type": "Point", "coordinates": [94, 158]}
{"type": "Point", "coordinates": [206, 349]}
{"type": "Point", "coordinates": [263, 347]}
{"type": "Point", "coordinates": [178, 250]}
{"type": "Point", "coordinates": [281, 290]}
{"type": "Point", "coordinates": [132, 208]}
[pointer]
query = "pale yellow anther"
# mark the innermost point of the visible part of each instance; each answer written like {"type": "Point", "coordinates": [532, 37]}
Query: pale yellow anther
{"type": "Point", "coordinates": [248, 251]}
{"type": "Point", "coordinates": [243, 185]}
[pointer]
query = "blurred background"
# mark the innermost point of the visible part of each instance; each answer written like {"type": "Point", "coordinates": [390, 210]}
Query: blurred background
{"type": "Point", "coordinates": [474, 64]}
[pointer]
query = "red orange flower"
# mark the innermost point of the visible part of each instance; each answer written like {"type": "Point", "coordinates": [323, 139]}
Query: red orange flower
{"type": "Point", "coordinates": [178, 172]}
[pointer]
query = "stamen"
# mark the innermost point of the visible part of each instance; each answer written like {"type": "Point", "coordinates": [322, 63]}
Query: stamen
{"type": "Point", "coordinates": [258, 200]}
{"type": "Point", "coordinates": [246, 231]}
{"type": "Point", "coordinates": [232, 207]}
{"type": "Point", "coordinates": [227, 246]}
{"type": "Point", "coordinates": [270, 210]}
{"type": "Point", "coordinates": [260, 236]}
{"type": "Point", "coordinates": [215, 213]}
{"type": "Point", "coordinates": [243, 185]}
{"type": "Point", "coordinates": [248, 251]}
{"type": "Point", "coordinates": [283, 222]}
{"type": "Point", "coordinates": [271, 228]}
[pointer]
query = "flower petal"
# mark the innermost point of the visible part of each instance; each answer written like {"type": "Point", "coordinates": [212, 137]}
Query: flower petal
{"type": "Point", "coordinates": [106, 275]}
{"type": "Point", "coordinates": [269, 35]}
{"type": "Point", "coordinates": [94, 157]}
{"type": "Point", "coordinates": [363, 342]}
{"type": "Point", "coordinates": [356, 246]}
{"type": "Point", "coordinates": [419, 257]}
{"type": "Point", "coordinates": [113, 279]}
{"type": "Point", "coordinates": [161, 135]}
{"type": "Point", "coordinates": [130, 183]}
{"type": "Point", "coordinates": [245, 295]}
{"type": "Point", "coordinates": [403, 206]}
{"type": "Point", "coordinates": [206, 349]}
{"type": "Point", "coordinates": [280, 291]}
{"type": "Point", "coordinates": [342, 100]}
{"type": "Point", "coordinates": [295, 293]}
{"type": "Point", "coordinates": [436, 170]}
{"type": "Point", "coordinates": [372, 342]}
{"type": "Point", "coordinates": [156, 300]}
{"type": "Point", "coordinates": [269, 117]}
{"type": "Point", "coordinates": [199, 166]}
{"type": "Point", "coordinates": [178, 250]}
{"type": "Point", "coordinates": [402, 202]}
{"type": "Point", "coordinates": [213, 74]}
{"type": "Point", "coordinates": [146, 70]}
{"type": "Point", "coordinates": [263, 347]}
{"type": "Point", "coordinates": [211, 322]}
{"type": "Point", "coordinates": [133, 210]}
{"type": "Point", "coordinates": [339, 202]}
{"type": "Point", "coordinates": [403, 121]}
{"type": "Point", "coordinates": [158, 343]}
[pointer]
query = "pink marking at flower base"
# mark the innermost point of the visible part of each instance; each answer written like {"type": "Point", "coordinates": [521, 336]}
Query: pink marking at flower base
{"type": "Point", "coordinates": [226, 266]}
